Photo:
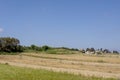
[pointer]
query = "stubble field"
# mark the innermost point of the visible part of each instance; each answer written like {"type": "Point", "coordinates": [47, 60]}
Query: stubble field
{"type": "Point", "coordinates": [107, 66]}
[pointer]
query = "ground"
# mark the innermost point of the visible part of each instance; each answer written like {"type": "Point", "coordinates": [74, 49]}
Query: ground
{"type": "Point", "coordinates": [107, 66]}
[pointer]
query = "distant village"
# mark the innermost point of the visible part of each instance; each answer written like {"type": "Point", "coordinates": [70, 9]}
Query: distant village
{"type": "Point", "coordinates": [98, 51]}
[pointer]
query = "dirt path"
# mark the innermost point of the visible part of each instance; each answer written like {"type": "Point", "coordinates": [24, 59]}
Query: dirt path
{"type": "Point", "coordinates": [73, 71]}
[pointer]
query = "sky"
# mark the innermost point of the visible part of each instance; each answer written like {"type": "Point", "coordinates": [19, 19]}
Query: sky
{"type": "Point", "coordinates": [57, 23]}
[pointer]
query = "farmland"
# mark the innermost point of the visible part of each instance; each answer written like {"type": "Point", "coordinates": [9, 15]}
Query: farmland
{"type": "Point", "coordinates": [8, 72]}
{"type": "Point", "coordinates": [106, 66]}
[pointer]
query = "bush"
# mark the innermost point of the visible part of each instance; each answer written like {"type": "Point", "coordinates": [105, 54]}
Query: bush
{"type": "Point", "coordinates": [45, 48]}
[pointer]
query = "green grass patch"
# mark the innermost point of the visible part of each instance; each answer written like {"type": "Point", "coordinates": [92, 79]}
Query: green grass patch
{"type": "Point", "coordinates": [101, 61]}
{"type": "Point", "coordinates": [9, 53]}
{"type": "Point", "coordinates": [8, 72]}
{"type": "Point", "coordinates": [59, 51]}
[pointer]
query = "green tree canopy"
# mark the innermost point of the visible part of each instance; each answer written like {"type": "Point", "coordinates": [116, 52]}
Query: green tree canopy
{"type": "Point", "coordinates": [8, 44]}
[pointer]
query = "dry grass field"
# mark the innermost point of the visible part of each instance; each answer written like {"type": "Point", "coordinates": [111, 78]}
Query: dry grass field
{"type": "Point", "coordinates": [89, 65]}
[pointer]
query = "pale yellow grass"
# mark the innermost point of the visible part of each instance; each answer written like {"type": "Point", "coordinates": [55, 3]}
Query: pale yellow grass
{"type": "Point", "coordinates": [79, 57]}
{"type": "Point", "coordinates": [72, 62]}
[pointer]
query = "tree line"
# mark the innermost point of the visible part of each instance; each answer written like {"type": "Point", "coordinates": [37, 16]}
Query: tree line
{"type": "Point", "coordinates": [8, 44]}
{"type": "Point", "coordinates": [45, 48]}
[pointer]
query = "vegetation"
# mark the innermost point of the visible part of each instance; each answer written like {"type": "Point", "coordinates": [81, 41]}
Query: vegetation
{"type": "Point", "coordinates": [48, 49]}
{"type": "Point", "coordinates": [115, 52]}
{"type": "Point", "coordinates": [8, 44]}
{"type": "Point", "coordinates": [8, 72]}
{"type": "Point", "coordinates": [59, 51]}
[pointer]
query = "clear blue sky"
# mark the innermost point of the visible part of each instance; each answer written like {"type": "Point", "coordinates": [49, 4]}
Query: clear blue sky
{"type": "Point", "coordinates": [68, 23]}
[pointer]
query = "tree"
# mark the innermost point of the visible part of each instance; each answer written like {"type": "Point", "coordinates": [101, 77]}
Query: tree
{"type": "Point", "coordinates": [8, 44]}
{"type": "Point", "coordinates": [33, 47]}
{"type": "Point", "coordinates": [90, 49]}
{"type": "Point", "coordinates": [45, 48]}
{"type": "Point", "coordinates": [87, 49]}
{"type": "Point", "coordinates": [106, 51]}
{"type": "Point", "coordinates": [115, 52]}
{"type": "Point", "coordinates": [82, 50]}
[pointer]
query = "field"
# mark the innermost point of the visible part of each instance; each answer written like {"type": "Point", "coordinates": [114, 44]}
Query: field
{"type": "Point", "coordinates": [8, 72]}
{"type": "Point", "coordinates": [79, 66]}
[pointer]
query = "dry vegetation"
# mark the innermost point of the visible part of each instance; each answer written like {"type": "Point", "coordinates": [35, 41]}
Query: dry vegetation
{"type": "Point", "coordinates": [100, 66]}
